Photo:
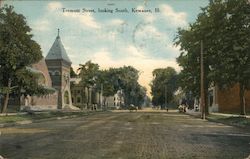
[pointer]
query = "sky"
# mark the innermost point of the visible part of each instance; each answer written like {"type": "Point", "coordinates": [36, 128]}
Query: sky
{"type": "Point", "coordinates": [142, 40]}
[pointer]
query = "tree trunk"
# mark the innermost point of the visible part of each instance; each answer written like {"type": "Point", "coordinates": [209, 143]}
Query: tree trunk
{"type": "Point", "coordinates": [87, 97]}
{"type": "Point", "coordinates": [19, 99]}
{"type": "Point", "coordinates": [242, 100]}
{"type": "Point", "coordinates": [6, 98]}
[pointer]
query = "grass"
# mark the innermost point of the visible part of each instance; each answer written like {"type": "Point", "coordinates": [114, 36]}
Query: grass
{"type": "Point", "coordinates": [14, 118]}
{"type": "Point", "coordinates": [233, 120]}
{"type": "Point", "coordinates": [38, 116]}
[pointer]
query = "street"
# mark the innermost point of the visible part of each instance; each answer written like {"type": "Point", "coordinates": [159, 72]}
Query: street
{"type": "Point", "coordinates": [123, 135]}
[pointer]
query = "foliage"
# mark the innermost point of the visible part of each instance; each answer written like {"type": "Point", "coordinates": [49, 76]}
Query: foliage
{"type": "Point", "coordinates": [88, 73]}
{"type": "Point", "coordinates": [114, 79]}
{"type": "Point", "coordinates": [72, 73]}
{"type": "Point", "coordinates": [163, 85]}
{"type": "Point", "coordinates": [223, 26]}
{"type": "Point", "coordinates": [27, 82]}
{"type": "Point", "coordinates": [17, 48]}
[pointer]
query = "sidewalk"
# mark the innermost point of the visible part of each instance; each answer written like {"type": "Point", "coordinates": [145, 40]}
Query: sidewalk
{"type": "Point", "coordinates": [230, 115]}
{"type": "Point", "coordinates": [194, 113]}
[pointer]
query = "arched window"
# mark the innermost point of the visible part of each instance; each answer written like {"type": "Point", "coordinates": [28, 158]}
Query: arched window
{"type": "Point", "coordinates": [57, 73]}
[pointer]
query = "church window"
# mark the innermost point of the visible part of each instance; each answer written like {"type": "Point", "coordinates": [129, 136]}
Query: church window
{"type": "Point", "coordinates": [78, 100]}
{"type": "Point", "coordinates": [57, 73]}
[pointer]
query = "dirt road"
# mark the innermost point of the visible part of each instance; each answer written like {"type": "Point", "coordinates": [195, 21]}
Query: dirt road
{"type": "Point", "coordinates": [125, 135]}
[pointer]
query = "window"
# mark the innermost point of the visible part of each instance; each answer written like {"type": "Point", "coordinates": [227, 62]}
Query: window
{"type": "Point", "coordinates": [78, 100]}
{"type": "Point", "coordinates": [57, 73]}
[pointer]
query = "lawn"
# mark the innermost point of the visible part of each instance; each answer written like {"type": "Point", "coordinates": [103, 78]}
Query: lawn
{"type": "Point", "coordinates": [232, 120]}
{"type": "Point", "coordinates": [38, 116]}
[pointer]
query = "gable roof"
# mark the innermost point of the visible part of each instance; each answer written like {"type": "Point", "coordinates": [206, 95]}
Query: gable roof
{"type": "Point", "coordinates": [57, 51]}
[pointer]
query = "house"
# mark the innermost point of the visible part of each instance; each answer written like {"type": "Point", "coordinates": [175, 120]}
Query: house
{"type": "Point", "coordinates": [91, 98]}
{"type": "Point", "coordinates": [114, 102]}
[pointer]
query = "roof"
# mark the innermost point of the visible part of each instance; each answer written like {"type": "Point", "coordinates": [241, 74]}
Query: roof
{"type": "Point", "coordinates": [57, 51]}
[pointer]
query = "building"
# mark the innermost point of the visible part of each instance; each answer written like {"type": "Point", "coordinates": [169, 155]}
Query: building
{"type": "Point", "coordinates": [227, 100]}
{"type": "Point", "coordinates": [114, 102]}
{"type": "Point", "coordinates": [45, 102]}
{"type": "Point", "coordinates": [59, 64]}
{"type": "Point", "coordinates": [53, 73]}
{"type": "Point", "coordinates": [92, 98]}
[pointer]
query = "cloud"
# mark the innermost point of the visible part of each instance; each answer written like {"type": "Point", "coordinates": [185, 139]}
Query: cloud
{"type": "Point", "coordinates": [117, 22]}
{"type": "Point", "coordinates": [85, 19]}
{"type": "Point", "coordinates": [41, 25]}
{"type": "Point", "coordinates": [132, 51]}
{"type": "Point", "coordinates": [54, 6]}
{"type": "Point", "coordinates": [145, 65]}
{"type": "Point", "coordinates": [175, 18]}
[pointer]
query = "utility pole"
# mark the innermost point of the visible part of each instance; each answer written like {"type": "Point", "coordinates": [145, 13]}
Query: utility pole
{"type": "Point", "coordinates": [166, 97]}
{"type": "Point", "coordinates": [101, 95]}
{"type": "Point", "coordinates": [202, 103]}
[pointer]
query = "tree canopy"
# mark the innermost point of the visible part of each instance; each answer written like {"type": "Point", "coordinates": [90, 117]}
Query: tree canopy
{"type": "Point", "coordinates": [17, 48]}
{"type": "Point", "coordinates": [223, 26]}
{"type": "Point", "coordinates": [111, 80]}
{"type": "Point", "coordinates": [163, 85]}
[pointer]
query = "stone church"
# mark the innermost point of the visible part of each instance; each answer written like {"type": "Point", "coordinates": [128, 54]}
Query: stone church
{"type": "Point", "coordinates": [54, 73]}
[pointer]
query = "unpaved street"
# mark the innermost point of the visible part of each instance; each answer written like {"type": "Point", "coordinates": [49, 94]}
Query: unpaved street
{"type": "Point", "coordinates": [125, 135]}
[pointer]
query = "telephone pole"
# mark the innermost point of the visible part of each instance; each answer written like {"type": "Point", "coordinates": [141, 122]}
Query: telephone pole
{"type": "Point", "coordinates": [166, 97]}
{"type": "Point", "coordinates": [202, 94]}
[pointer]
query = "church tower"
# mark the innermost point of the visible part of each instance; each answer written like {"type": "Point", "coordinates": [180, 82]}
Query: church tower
{"type": "Point", "coordinates": [59, 64]}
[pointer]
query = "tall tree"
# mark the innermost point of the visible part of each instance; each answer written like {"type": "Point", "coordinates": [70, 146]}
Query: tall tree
{"type": "Point", "coordinates": [88, 73]}
{"type": "Point", "coordinates": [224, 28]}
{"type": "Point", "coordinates": [17, 49]}
{"type": "Point", "coordinates": [163, 85]}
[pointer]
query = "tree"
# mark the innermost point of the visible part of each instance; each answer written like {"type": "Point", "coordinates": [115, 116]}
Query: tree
{"type": "Point", "coordinates": [17, 49]}
{"type": "Point", "coordinates": [72, 73]}
{"type": "Point", "coordinates": [163, 85]}
{"type": "Point", "coordinates": [127, 80]}
{"type": "Point", "coordinates": [27, 83]}
{"type": "Point", "coordinates": [112, 80]}
{"type": "Point", "coordinates": [231, 48]}
{"type": "Point", "coordinates": [223, 26]}
{"type": "Point", "coordinates": [88, 73]}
